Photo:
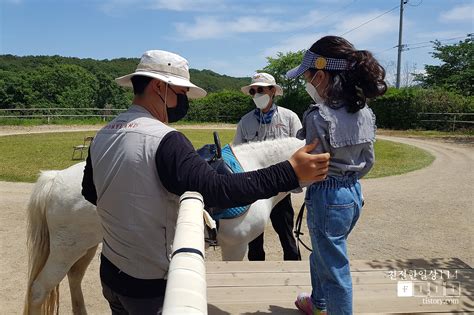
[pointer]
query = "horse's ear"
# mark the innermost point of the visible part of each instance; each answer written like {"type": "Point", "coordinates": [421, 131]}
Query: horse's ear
{"type": "Point", "coordinates": [217, 141]}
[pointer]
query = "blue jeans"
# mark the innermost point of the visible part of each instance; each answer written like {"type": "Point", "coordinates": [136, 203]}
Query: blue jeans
{"type": "Point", "coordinates": [334, 207]}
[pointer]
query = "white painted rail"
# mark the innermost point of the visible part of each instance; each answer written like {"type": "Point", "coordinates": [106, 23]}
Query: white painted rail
{"type": "Point", "coordinates": [186, 287]}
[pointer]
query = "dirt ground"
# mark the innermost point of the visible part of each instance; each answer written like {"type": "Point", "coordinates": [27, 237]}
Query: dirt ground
{"type": "Point", "coordinates": [423, 214]}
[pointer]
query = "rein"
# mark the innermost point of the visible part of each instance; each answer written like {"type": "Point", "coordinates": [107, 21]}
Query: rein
{"type": "Point", "coordinates": [298, 232]}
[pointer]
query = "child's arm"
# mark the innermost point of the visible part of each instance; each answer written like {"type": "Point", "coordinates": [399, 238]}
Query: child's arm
{"type": "Point", "coordinates": [369, 159]}
{"type": "Point", "coordinates": [319, 130]}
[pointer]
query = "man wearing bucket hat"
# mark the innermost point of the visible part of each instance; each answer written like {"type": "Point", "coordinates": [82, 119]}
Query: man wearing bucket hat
{"type": "Point", "coordinates": [267, 122]}
{"type": "Point", "coordinates": [137, 168]}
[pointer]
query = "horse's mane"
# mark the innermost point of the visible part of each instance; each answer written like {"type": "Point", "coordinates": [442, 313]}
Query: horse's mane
{"type": "Point", "coordinates": [270, 151]}
{"type": "Point", "coordinates": [281, 142]}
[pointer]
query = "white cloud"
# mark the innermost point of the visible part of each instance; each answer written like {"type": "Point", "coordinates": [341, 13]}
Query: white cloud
{"type": "Point", "coordinates": [204, 27]}
{"type": "Point", "coordinates": [188, 5]}
{"type": "Point", "coordinates": [294, 43]}
{"type": "Point", "coordinates": [207, 27]}
{"type": "Point", "coordinates": [113, 6]}
{"type": "Point", "coordinates": [458, 14]}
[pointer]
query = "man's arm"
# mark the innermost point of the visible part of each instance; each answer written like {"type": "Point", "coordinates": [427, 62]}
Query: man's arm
{"type": "Point", "coordinates": [88, 187]}
{"type": "Point", "coordinates": [239, 137]}
{"type": "Point", "coordinates": [181, 169]}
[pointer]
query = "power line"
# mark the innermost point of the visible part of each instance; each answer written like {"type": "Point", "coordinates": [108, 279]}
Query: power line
{"type": "Point", "coordinates": [405, 46]}
{"type": "Point", "coordinates": [412, 48]}
{"type": "Point", "coordinates": [382, 51]}
{"type": "Point", "coordinates": [367, 22]}
{"type": "Point", "coordinates": [440, 40]}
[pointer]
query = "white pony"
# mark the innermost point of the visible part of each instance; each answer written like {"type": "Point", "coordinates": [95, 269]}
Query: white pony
{"type": "Point", "coordinates": [64, 229]}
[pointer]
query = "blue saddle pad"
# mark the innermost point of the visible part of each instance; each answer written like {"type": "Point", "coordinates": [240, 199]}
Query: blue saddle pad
{"type": "Point", "coordinates": [231, 161]}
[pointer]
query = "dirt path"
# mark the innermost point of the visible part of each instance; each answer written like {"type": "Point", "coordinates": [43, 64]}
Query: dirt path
{"type": "Point", "coordinates": [15, 130]}
{"type": "Point", "coordinates": [423, 214]}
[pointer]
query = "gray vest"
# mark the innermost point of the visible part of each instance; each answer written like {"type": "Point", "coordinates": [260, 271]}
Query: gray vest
{"type": "Point", "coordinates": [138, 214]}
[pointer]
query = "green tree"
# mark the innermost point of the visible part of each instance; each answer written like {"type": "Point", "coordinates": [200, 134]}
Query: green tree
{"type": "Point", "coordinates": [294, 94]}
{"type": "Point", "coordinates": [456, 72]}
{"type": "Point", "coordinates": [15, 90]}
{"type": "Point", "coordinates": [224, 106]}
{"type": "Point", "coordinates": [36, 81]}
{"type": "Point", "coordinates": [110, 94]}
{"type": "Point", "coordinates": [214, 82]}
{"type": "Point", "coordinates": [278, 67]}
{"type": "Point", "coordinates": [64, 86]}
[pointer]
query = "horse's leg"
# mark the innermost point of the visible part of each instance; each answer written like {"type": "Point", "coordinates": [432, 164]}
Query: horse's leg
{"type": "Point", "coordinates": [75, 275]}
{"type": "Point", "coordinates": [234, 252]}
{"type": "Point", "coordinates": [45, 288]}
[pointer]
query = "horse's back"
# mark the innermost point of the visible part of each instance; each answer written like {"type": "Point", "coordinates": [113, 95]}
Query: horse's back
{"type": "Point", "coordinates": [66, 191]}
{"type": "Point", "coordinates": [72, 176]}
{"type": "Point", "coordinates": [67, 208]}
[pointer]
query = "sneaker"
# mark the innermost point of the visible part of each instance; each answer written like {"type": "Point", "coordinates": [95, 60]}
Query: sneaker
{"type": "Point", "coordinates": [303, 303]}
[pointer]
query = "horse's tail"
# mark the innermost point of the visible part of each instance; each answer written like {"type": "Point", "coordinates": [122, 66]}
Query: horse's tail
{"type": "Point", "coordinates": [38, 241]}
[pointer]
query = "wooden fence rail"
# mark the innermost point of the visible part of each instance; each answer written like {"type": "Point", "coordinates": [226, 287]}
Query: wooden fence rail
{"type": "Point", "coordinates": [448, 118]}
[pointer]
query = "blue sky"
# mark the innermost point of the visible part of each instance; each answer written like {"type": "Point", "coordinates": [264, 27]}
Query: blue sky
{"type": "Point", "coordinates": [229, 37]}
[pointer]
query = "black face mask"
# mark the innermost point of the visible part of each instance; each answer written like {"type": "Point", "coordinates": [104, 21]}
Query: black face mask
{"type": "Point", "coordinates": [181, 109]}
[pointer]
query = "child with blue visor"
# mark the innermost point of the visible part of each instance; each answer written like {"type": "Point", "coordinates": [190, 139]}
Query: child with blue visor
{"type": "Point", "coordinates": [340, 80]}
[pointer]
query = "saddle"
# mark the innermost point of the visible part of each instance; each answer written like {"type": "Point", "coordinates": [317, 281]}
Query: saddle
{"type": "Point", "coordinates": [223, 161]}
{"type": "Point", "coordinates": [212, 154]}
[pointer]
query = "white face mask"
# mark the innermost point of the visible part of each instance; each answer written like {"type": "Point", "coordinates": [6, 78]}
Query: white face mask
{"type": "Point", "coordinates": [261, 100]}
{"type": "Point", "coordinates": [313, 92]}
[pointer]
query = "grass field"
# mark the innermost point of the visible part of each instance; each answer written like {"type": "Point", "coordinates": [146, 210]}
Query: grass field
{"type": "Point", "coordinates": [23, 156]}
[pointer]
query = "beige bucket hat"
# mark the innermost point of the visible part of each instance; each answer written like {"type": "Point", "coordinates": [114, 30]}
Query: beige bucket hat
{"type": "Point", "coordinates": [167, 67]}
{"type": "Point", "coordinates": [262, 79]}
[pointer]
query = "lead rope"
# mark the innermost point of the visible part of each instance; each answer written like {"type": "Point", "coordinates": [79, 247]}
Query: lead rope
{"type": "Point", "coordinates": [211, 229]}
{"type": "Point", "coordinates": [298, 232]}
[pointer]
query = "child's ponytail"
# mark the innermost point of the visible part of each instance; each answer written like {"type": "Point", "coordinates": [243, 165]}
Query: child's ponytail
{"type": "Point", "coordinates": [370, 73]}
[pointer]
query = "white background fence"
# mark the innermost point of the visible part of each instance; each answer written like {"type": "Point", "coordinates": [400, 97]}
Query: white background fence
{"type": "Point", "coordinates": [51, 113]}
{"type": "Point", "coordinates": [48, 114]}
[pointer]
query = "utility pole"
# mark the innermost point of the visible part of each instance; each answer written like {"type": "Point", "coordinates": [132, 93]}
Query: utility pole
{"type": "Point", "coordinates": [400, 46]}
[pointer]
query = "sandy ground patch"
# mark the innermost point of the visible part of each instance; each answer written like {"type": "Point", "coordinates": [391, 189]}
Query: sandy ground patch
{"type": "Point", "coordinates": [14, 130]}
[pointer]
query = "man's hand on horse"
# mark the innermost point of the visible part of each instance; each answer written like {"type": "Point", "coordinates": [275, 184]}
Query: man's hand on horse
{"type": "Point", "coordinates": [310, 167]}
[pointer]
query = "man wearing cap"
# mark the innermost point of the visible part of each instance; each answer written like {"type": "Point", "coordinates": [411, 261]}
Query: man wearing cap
{"type": "Point", "coordinates": [267, 122]}
{"type": "Point", "coordinates": [137, 168]}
